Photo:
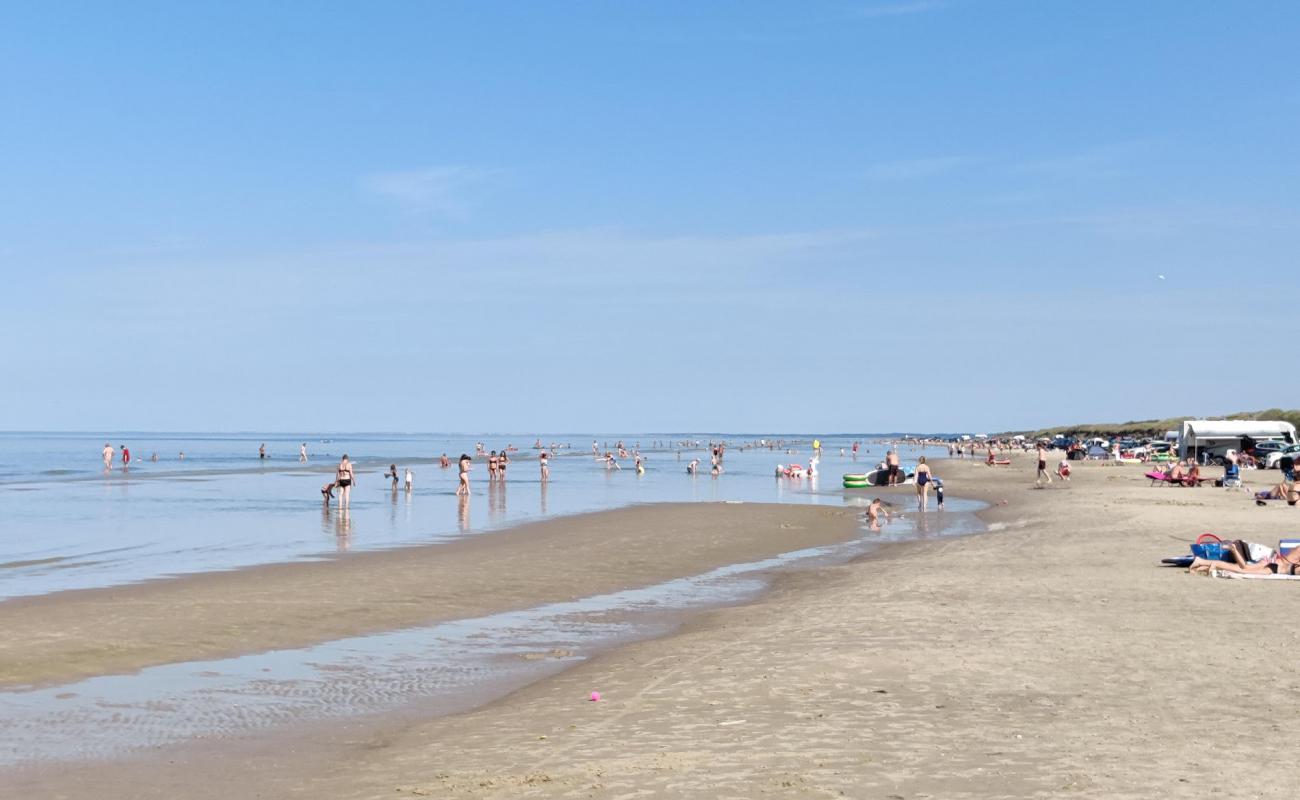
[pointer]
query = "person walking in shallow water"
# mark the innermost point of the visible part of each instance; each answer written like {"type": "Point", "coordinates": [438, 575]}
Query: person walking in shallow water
{"type": "Point", "coordinates": [344, 477]}
{"type": "Point", "coordinates": [302, 453]}
{"type": "Point", "coordinates": [462, 490]}
{"type": "Point", "coordinates": [108, 457]}
{"type": "Point", "coordinates": [922, 484]}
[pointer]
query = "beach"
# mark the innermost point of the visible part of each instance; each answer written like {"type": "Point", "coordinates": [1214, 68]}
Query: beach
{"type": "Point", "coordinates": [1050, 656]}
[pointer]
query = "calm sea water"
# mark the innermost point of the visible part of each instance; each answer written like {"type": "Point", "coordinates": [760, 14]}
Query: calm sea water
{"type": "Point", "coordinates": [70, 525]}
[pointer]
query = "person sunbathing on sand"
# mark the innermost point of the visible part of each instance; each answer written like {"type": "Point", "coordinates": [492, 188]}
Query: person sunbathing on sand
{"type": "Point", "coordinates": [1283, 491]}
{"type": "Point", "coordinates": [1274, 563]}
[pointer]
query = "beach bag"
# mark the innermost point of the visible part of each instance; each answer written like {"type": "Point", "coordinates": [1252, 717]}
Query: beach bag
{"type": "Point", "coordinates": [1210, 547]}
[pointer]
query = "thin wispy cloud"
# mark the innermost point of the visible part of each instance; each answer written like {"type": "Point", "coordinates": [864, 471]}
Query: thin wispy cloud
{"type": "Point", "coordinates": [1104, 161]}
{"type": "Point", "coordinates": [445, 191]}
{"type": "Point", "coordinates": [911, 169]}
{"type": "Point", "coordinates": [899, 9]}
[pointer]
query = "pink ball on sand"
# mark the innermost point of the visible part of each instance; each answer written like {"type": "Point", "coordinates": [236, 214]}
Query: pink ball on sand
{"type": "Point", "coordinates": [595, 697]}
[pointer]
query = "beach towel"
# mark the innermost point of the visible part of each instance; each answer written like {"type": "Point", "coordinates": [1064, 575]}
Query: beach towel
{"type": "Point", "coordinates": [1243, 576]}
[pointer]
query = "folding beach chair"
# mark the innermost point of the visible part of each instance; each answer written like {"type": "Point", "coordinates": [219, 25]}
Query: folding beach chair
{"type": "Point", "coordinates": [1231, 476]}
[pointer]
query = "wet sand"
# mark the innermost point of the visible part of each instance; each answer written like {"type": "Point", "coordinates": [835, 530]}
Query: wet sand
{"type": "Point", "coordinates": [1049, 658]}
{"type": "Point", "coordinates": [68, 635]}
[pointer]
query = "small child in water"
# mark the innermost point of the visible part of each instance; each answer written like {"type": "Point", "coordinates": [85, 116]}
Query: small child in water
{"type": "Point", "coordinates": [409, 477]}
{"type": "Point", "coordinates": [874, 511]}
{"type": "Point", "coordinates": [327, 491]}
{"type": "Point", "coordinates": [938, 489]}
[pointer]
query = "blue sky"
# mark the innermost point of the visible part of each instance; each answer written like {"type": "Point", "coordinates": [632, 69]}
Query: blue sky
{"type": "Point", "coordinates": [467, 216]}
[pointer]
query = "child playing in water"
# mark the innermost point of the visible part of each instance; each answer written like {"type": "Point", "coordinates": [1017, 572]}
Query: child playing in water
{"type": "Point", "coordinates": [327, 491]}
{"type": "Point", "coordinates": [392, 473]}
{"type": "Point", "coordinates": [691, 467]}
{"type": "Point", "coordinates": [873, 513]}
{"type": "Point", "coordinates": [409, 477]}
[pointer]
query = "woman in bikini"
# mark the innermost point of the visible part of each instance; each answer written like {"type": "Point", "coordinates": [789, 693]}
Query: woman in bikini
{"type": "Point", "coordinates": [546, 466]}
{"type": "Point", "coordinates": [493, 461]}
{"type": "Point", "coordinates": [463, 489]}
{"type": "Point", "coordinates": [1274, 564]}
{"type": "Point", "coordinates": [343, 478]}
{"type": "Point", "coordinates": [502, 463]}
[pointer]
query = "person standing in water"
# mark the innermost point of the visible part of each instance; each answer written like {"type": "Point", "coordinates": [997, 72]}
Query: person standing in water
{"type": "Point", "coordinates": [922, 484]}
{"type": "Point", "coordinates": [545, 465]}
{"type": "Point", "coordinates": [392, 473]}
{"type": "Point", "coordinates": [502, 463]}
{"type": "Point", "coordinates": [261, 451]}
{"type": "Point", "coordinates": [302, 453]}
{"type": "Point", "coordinates": [1043, 474]}
{"type": "Point", "coordinates": [444, 462]}
{"type": "Point", "coordinates": [891, 467]}
{"type": "Point", "coordinates": [108, 454]}
{"type": "Point", "coordinates": [462, 490]}
{"type": "Point", "coordinates": [344, 477]}
{"type": "Point", "coordinates": [492, 466]}
{"type": "Point", "coordinates": [409, 477]}
{"type": "Point", "coordinates": [126, 457]}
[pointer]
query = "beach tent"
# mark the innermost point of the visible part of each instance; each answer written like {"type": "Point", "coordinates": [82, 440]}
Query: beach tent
{"type": "Point", "coordinates": [1230, 434]}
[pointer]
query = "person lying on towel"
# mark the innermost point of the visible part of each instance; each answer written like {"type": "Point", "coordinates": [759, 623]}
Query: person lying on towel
{"type": "Point", "coordinates": [1283, 491]}
{"type": "Point", "coordinates": [1267, 561]}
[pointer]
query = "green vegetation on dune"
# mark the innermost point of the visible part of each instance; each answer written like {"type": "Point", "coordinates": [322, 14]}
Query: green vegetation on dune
{"type": "Point", "coordinates": [1157, 427]}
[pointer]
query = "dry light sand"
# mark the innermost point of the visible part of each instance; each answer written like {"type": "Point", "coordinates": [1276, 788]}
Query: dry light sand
{"type": "Point", "coordinates": [1048, 658]}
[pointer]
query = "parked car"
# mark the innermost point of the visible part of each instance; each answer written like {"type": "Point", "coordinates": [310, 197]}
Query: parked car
{"type": "Point", "coordinates": [1263, 449]}
{"type": "Point", "coordinates": [1270, 461]}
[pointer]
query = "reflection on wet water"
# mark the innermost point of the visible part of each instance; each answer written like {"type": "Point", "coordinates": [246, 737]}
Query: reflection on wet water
{"type": "Point", "coordinates": [170, 524]}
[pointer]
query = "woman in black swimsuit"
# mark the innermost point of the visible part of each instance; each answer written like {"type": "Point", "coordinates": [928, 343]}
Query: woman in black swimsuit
{"type": "Point", "coordinates": [343, 478]}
